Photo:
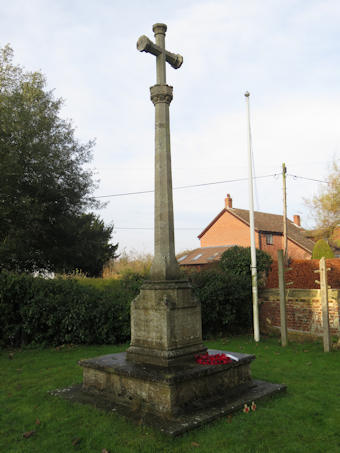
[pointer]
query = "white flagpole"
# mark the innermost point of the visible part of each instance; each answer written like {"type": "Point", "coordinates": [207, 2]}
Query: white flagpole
{"type": "Point", "coordinates": [252, 231]}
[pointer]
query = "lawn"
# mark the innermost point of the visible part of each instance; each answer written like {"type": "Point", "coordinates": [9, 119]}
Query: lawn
{"type": "Point", "coordinates": [305, 419]}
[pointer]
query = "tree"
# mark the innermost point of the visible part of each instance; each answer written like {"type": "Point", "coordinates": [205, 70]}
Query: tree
{"type": "Point", "coordinates": [320, 249]}
{"type": "Point", "coordinates": [325, 206]}
{"type": "Point", "coordinates": [45, 191]}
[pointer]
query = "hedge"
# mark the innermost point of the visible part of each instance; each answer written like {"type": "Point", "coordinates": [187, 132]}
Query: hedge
{"type": "Point", "coordinates": [34, 310]}
{"type": "Point", "coordinates": [301, 274]}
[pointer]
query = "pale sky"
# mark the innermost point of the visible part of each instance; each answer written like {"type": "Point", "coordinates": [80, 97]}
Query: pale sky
{"type": "Point", "coordinates": [284, 52]}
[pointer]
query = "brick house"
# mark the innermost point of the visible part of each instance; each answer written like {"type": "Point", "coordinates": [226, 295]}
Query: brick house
{"type": "Point", "coordinates": [231, 227]}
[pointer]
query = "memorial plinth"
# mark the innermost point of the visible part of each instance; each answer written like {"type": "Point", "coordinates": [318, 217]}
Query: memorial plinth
{"type": "Point", "coordinates": [166, 391]}
{"type": "Point", "coordinates": [166, 326]}
{"type": "Point", "coordinates": [158, 376]}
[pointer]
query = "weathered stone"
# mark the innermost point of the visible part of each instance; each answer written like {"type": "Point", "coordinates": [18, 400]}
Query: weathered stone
{"type": "Point", "coordinates": [167, 391]}
{"type": "Point", "coordinates": [158, 375]}
{"type": "Point", "coordinates": [194, 416]}
{"type": "Point", "coordinates": [166, 324]}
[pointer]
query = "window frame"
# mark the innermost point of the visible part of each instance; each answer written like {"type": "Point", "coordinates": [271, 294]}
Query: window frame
{"type": "Point", "coordinates": [269, 239]}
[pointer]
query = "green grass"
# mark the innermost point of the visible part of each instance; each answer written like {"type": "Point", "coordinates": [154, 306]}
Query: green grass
{"type": "Point", "coordinates": [306, 419]}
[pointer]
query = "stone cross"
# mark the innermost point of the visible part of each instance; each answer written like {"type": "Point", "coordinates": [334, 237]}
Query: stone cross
{"type": "Point", "coordinates": [164, 266]}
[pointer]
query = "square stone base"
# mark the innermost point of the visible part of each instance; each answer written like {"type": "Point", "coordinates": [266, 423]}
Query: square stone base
{"type": "Point", "coordinates": [171, 399]}
{"type": "Point", "coordinates": [194, 417]}
{"type": "Point", "coordinates": [166, 391]}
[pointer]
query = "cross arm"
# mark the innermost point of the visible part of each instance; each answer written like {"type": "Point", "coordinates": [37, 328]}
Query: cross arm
{"type": "Point", "coordinates": [144, 44]}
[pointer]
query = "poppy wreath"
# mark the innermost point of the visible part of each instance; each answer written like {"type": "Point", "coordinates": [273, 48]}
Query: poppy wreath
{"type": "Point", "coordinates": [212, 359]}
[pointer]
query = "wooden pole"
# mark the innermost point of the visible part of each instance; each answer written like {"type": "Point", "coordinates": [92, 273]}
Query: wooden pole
{"type": "Point", "coordinates": [324, 304]}
{"type": "Point", "coordinates": [285, 239]}
{"type": "Point", "coordinates": [282, 288]}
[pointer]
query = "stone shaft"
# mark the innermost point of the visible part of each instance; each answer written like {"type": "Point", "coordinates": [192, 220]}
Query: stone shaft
{"type": "Point", "coordinates": [159, 31]}
{"type": "Point", "coordinates": [164, 266]}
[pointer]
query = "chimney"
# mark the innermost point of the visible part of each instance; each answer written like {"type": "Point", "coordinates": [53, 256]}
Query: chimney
{"type": "Point", "coordinates": [228, 202]}
{"type": "Point", "coordinates": [297, 220]}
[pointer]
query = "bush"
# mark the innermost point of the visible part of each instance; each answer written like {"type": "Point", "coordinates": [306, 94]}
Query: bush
{"type": "Point", "coordinates": [237, 260]}
{"type": "Point", "coordinates": [225, 291]}
{"type": "Point", "coordinates": [320, 249]}
{"type": "Point", "coordinates": [40, 311]}
{"type": "Point", "coordinates": [225, 300]}
{"type": "Point", "coordinates": [97, 311]}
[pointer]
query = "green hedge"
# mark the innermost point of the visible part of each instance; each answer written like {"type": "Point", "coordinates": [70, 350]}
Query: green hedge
{"type": "Point", "coordinates": [59, 311]}
{"type": "Point", "coordinates": [97, 311]}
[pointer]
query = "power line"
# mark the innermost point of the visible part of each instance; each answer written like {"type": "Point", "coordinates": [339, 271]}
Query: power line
{"type": "Point", "coordinates": [148, 228]}
{"type": "Point", "coordinates": [200, 185]}
{"type": "Point", "coordinates": [184, 187]}
{"type": "Point", "coordinates": [308, 179]}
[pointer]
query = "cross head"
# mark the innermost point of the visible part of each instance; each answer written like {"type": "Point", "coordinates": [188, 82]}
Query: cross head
{"type": "Point", "coordinates": [144, 44]}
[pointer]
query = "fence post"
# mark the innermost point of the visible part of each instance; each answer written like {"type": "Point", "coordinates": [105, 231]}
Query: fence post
{"type": "Point", "coordinates": [324, 304]}
{"type": "Point", "coordinates": [282, 288]}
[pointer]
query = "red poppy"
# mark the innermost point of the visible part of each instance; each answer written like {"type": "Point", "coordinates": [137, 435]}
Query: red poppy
{"type": "Point", "coordinates": [212, 359]}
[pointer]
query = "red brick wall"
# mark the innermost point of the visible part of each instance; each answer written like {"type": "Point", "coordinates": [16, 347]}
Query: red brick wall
{"type": "Point", "coordinates": [297, 253]}
{"type": "Point", "coordinates": [227, 230]}
{"type": "Point", "coordinates": [271, 249]}
{"type": "Point", "coordinates": [304, 316]}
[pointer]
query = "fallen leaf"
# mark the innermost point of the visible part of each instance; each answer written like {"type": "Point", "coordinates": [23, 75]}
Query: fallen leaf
{"type": "Point", "coordinates": [105, 451]}
{"type": "Point", "coordinates": [37, 422]}
{"type": "Point", "coordinates": [305, 350]}
{"type": "Point", "coordinates": [28, 434]}
{"type": "Point", "coordinates": [76, 441]}
{"type": "Point", "coordinates": [195, 444]}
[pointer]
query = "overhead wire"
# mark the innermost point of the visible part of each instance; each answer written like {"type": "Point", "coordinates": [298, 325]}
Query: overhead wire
{"type": "Point", "coordinates": [275, 175]}
{"type": "Point", "coordinates": [183, 187]}
{"type": "Point", "coordinates": [308, 179]}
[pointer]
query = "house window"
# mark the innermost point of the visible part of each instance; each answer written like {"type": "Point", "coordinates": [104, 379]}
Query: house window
{"type": "Point", "coordinates": [182, 258]}
{"type": "Point", "coordinates": [196, 257]}
{"type": "Point", "coordinates": [269, 239]}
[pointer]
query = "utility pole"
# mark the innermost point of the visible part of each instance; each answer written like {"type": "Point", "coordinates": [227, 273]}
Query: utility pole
{"type": "Point", "coordinates": [285, 240]}
{"type": "Point", "coordinates": [282, 288]}
{"type": "Point", "coordinates": [252, 231]}
{"type": "Point", "coordinates": [324, 304]}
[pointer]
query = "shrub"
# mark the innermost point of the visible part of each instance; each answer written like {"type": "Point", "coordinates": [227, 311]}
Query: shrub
{"type": "Point", "coordinates": [40, 311]}
{"type": "Point", "coordinates": [127, 263]}
{"type": "Point", "coordinates": [320, 249]}
{"type": "Point", "coordinates": [225, 291]}
{"type": "Point", "coordinates": [225, 300]}
{"type": "Point", "coordinates": [237, 260]}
